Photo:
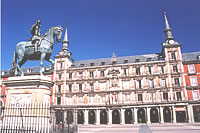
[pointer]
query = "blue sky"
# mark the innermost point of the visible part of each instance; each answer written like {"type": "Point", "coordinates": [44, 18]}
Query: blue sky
{"type": "Point", "coordinates": [97, 28]}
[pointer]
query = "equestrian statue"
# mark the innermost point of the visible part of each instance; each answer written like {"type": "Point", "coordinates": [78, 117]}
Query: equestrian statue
{"type": "Point", "coordinates": [37, 48]}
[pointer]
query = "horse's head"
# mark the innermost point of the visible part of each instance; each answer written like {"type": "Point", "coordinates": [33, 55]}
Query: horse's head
{"type": "Point", "coordinates": [58, 32]}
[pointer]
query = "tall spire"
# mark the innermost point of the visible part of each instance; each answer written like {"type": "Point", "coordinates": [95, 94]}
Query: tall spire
{"type": "Point", "coordinates": [65, 41]}
{"type": "Point", "coordinates": [168, 30]}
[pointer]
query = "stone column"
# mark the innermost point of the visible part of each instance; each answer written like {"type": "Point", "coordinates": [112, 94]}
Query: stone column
{"type": "Point", "coordinates": [75, 117]}
{"type": "Point", "coordinates": [190, 113]}
{"type": "Point", "coordinates": [86, 117]}
{"type": "Point", "coordinates": [148, 116]}
{"type": "Point", "coordinates": [65, 118]}
{"type": "Point", "coordinates": [122, 117]}
{"type": "Point", "coordinates": [109, 117]}
{"type": "Point", "coordinates": [98, 117]}
{"type": "Point", "coordinates": [161, 115]}
{"type": "Point", "coordinates": [54, 120]}
{"type": "Point", "coordinates": [135, 116]}
{"type": "Point", "coordinates": [174, 114]}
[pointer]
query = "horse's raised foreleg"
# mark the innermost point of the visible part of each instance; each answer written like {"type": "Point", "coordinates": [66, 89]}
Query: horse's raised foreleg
{"type": "Point", "coordinates": [52, 63]}
{"type": "Point", "coordinates": [42, 57]}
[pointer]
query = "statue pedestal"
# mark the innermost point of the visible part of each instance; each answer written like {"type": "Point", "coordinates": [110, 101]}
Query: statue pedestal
{"type": "Point", "coordinates": [28, 103]}
{"type": "Point", "coordinates": [28, 89]}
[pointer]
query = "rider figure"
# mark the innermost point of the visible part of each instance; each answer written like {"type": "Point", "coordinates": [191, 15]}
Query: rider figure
{"type": "Point", "coordinates": [36, 34]}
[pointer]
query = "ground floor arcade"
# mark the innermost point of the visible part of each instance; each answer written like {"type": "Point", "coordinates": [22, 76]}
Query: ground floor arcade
{"type": "Point", "coordinates": [129, 114]}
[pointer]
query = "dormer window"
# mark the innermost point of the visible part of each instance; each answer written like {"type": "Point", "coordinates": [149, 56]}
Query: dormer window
{"type": "Point", "coordinates": [102, 63]}
{"type": "Point", "coordinates": [125, 61]}
{"type": "Point", "coordinates": [198, 57]}
{"type": "Point", "coordinates": [82, 65]}
{"type": "Point", "coordinates": [149, 59]}
{"type": "Point", "coordinates": [91, 64]}
{"type": "Point", "coordinates": [137, 60]}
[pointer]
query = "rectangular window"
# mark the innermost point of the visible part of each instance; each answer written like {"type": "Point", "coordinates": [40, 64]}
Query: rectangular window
{"type": "Point", "coordinates": [195, 95]}
{"type": "Point", "coordinates": [58, 100]}
{"type": "Point", "coordinates": [162, 69]}
{"type": "Point", "coordinates": [91, 75]}
{"type": "Point", "coordinates": [163, 83]}
{"type": "Point", "coordinates": [102, 73]}
{"type": "Point", "coordinates": [151, 83]}
{"type": "Point", "coordinates": [80, 75]}
{"type": "Point", "coordinates": [193, 81]}
{"type": "Point", "coordinates": [176, 82]}
{"type": "Point", "coordinates": [80, 87]}
{"type": "Point", "coordinates": [140, 84]}
{"type": "Point", "coordinates": [59, 88]}
{"type": "Point", "coordinates": [140, 98]}
{"type": "Point", "coordinates": [61, 65]}
{"type": "Point", "coordinates": [150, 70]}
{"type": "Point", "coordinates": [191, 68]}
{"type": "Point", "coordinates": [125, 73]}
{"type": "Point", "coordinates": [70, 75]}
{"type": "Point", "coordinates": [138, 71]}
{"type": "Point", "coordinates": [178, 95]}
{"type": "Point", "coordinates": [165, 96]}
{"type": "Point", "coordinates": [59, 76]}
{"type": "Point", "coordinates": [92, 87]}
{"type": "Point", "coordinates": [173, 56]}
{"type": "Point", "coordinates": [175, 69]}
{"type": "Point", "coordinates": [70, 88]}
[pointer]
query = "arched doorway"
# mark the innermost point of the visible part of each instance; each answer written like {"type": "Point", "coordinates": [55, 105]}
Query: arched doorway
{"type": "Point", "coordinates": [167, 114]}
{"type": "Point", "coordinates": [59, 116]}
{"type": "Point", "coordinates": [80, 117]}
{"type": "Point", "coordinates": [141, 115]}
{"type": "Point", "coordinates": [196, 111]}
{"type": "Point", "coordinates": [69, 117]}
{"type": "Point", "coordinates": [128, 116]}
{"type": "Point", "coordinates": [103, 117]}
{"type": "Point", "coordinates": [92, 118]}
{"type": "Point", "coordinates": [154, 115]}
{"type": "Point", "coordinates": [180, 116]}
{"type": "Point", "coordinates": [115, 117]}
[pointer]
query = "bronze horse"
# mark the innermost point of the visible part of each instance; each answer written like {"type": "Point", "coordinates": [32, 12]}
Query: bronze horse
{"type": "Point", "coordinates": [24, 51]}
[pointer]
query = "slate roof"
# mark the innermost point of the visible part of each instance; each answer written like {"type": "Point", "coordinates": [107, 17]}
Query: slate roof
{"type": "Point", "coordinates": [192, 56]}
{"type": "Point", "coordinates": [119, 60]}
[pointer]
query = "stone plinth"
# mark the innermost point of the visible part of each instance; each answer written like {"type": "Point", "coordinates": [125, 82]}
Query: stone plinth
{"type": "Point", "coordinates": [28, 89]}
{"type": "Point", "coordinates": [27, 104]}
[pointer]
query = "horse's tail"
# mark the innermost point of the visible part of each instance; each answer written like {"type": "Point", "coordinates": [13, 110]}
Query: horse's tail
{"type": "Point", "coordinates": [12, 70]}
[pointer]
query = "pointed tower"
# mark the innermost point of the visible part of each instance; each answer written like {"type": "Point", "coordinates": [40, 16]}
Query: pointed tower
{"type": "Point", "coordinates": [63, 61]}
{"type": "Point", "coordinates": [168, 30]}
{"type": "Point", "coordinates": [65, 50]}
{"type": "Point", "coordinates": [171, 52]}
{"type": "Point", "coordinates": [65, 41]}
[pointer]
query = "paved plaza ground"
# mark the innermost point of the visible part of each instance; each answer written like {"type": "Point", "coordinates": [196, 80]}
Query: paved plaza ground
{"type": "Point", "coordinates": [143, 128]}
